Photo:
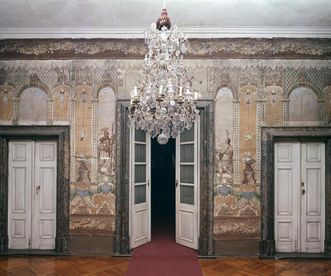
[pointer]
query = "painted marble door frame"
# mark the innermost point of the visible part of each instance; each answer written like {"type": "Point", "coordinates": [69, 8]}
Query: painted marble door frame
{"type": "Point", "coordinates": [206, 236]}
{"type": "Point", "coordinates": [61, 135]}
{"type": "Point", "coordinates": [270, 136]}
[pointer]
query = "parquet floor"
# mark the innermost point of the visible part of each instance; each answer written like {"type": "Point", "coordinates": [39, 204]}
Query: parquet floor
{"type": "Point", "coordinates": [100, 266]}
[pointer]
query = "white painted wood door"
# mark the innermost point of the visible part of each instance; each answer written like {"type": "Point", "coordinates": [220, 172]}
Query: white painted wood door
{"type": "Point", "coordinates": [140, 202]}
{"type": "Point", "coordinates": [187, 184]}
{"type": "Point", "coordinates": [299, 197]}
{"type": "Point", "coordinates": [32, 195]}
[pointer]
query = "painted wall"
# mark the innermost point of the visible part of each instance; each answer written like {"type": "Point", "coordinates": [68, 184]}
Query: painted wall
{"type": "Point", "coordinates": [248, 94]}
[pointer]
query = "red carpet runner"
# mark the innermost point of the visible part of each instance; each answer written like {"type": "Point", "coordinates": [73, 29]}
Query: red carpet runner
{"type": "Point", "coordinates": [163, 257]}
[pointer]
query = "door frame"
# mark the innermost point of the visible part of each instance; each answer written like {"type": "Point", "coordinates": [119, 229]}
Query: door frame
{"type": "Point", "coordinates": [206, 241]}
{"type": "Point", "coordinates": [60, 134]}
{"type": "Point", "coordinates": [271, 135]}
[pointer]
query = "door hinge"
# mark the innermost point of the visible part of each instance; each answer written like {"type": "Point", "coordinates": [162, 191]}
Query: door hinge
{"type": "Point", "coordinates": [29, 246]}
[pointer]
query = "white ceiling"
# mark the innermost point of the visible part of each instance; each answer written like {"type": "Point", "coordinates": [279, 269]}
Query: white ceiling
{"type": "Point", "coordinates": [198, 18]}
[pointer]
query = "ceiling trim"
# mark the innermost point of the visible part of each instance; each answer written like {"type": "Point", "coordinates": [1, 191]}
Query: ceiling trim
{"type": "Point", "coordinates": [192, 32]}
{"type": "Point", "coordinates": [220, 48]}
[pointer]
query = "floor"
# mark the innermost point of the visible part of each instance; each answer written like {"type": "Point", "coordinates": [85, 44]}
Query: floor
{"type": "Point", "coordinates": [22, 266]}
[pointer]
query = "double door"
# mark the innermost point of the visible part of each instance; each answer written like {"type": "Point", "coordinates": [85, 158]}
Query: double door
{"type": "Point", "coordinates": [32, 194]}
{"type": "Point", "coordinates": [186, 186]}
{"type": "Point", "coordinates": [300, 197]}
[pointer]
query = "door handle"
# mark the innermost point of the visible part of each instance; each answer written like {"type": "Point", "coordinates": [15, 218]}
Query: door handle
{"type": "Point", "coordinates": [303, 191]}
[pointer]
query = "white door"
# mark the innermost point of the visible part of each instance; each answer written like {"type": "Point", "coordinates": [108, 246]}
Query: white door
{"type": "Point", "coordinates": [299, 197]}
{"type": "Point", "coordinates": [140, 222]}
{"type": "Point", "coordinates": [32, 195]}
{"type": "Point", "coordinates": [187, 184]}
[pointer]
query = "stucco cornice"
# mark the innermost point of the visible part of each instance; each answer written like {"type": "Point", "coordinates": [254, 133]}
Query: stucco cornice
{"type": "Point", "coordinates": [218, 48]}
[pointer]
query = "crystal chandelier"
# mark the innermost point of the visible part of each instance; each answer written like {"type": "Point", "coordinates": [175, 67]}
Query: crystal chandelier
{"type": "Point", "coordinates": [163, 103]}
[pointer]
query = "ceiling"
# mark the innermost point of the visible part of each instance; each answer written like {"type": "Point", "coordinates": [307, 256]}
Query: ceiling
{"type": "Point", "coordinates": [198, 18]}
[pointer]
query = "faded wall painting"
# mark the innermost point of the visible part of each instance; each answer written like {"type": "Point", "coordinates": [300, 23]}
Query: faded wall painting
{"type": "Point", "coordinates": [7, 94]}
{"type": "Point", "coordinates": [223, 152]}
{"type": "Point", "coordinates": [107, 150]}
{"type": "Point", "coordinates": [68, 92]}
{"type": "Point", "coordinates": [93, 200]}
{"type": "Point", "coordinates": [28, 98]}
{"type": "Point", "coordinates": [61, 104]}
{"type": "Point", "coordinates": [327, 92]}
{"type": "Point", "coordinates": [236, 205]}
{"type": "Point", "coordinates": [247, 138]}
{"type": "Point", "coordinates": [83, 121]}
{"type": "Point", "coordinates": [273, 106]}
{"type": "Point", "coordinates": [303, 107]}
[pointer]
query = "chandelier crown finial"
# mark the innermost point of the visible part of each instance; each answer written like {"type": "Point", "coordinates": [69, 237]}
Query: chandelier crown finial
{"type": "Point", "coordinates": [163, 20]}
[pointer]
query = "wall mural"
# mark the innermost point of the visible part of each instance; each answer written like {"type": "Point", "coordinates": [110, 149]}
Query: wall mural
{"type": "Point", "coordinates": [68, 92]}
{"type": "Point", "coordinates": [7, 94]}
{"type": "Point", "coordinates": [93, 200]}
{"type": "Point", "coordinates": [29, 97]}
{"type": "Point", "coordinates": [273, 106]}
{"type": "Point", "coordinates": [303, 107]}
{"type": "Point", "coordinates": [61, 104]}
{"type": "Point", "coordinates": [236, 205]}
{"type": "Point", "coordinates": [328, 103]}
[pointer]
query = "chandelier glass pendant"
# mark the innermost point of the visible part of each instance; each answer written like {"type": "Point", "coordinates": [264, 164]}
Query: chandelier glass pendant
{"type": "Point", "coordinates": [163, 103]}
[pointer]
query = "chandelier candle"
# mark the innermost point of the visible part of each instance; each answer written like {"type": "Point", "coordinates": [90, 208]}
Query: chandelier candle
{"type": "Point", "coordinates": [159, 105]}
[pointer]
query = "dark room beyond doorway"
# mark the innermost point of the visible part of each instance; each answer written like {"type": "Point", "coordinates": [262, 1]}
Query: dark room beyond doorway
{"type": "Point", "coordinates": [163, 187]}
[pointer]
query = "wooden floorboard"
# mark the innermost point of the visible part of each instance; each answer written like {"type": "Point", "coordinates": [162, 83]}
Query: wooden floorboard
{"type": "Point", "coordinates": [103, 266]}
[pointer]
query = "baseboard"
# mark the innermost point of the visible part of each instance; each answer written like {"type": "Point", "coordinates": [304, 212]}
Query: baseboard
{"type": "Point", "coordinates": [91, 245]}
{"type": "Point", "coordinates": [236, 247]}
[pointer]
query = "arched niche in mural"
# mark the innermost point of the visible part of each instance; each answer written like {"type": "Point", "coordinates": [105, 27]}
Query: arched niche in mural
{"type": "Point", "coordinates": [61, 95]}
{"type": "Point", "coordinates": [106, 151]}
{"type": "Point", "coordinates": [303, 107]}
{"type": "Point", "coordinates": [33, 105]}
{"type": "Point", "coordinates": [247, 138]}
{"type": "Point", "coordinates": [106, 139]}
{"type": "Point", "coordinates": [224, 200]}
{"type": "Point", "coordinates": [273, 106]}
{"type": "Point", "coordinates": [7, 94]}
{"type": "Point", "coordinates": [223, 139]}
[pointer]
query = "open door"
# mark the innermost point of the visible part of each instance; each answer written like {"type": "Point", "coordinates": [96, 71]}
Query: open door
{"type": "Point", "coordinates": [187, 184]}
{"type": "Point", "coordinates": [140, 201]}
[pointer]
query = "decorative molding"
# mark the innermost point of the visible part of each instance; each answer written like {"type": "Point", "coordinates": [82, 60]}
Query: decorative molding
{"type": "Point", "coordinates": [224, 48]}
{"type": "Point", "coordinates": [192, 32]}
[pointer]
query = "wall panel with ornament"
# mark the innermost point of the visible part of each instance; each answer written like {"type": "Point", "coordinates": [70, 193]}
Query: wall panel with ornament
{"type": "Point", "coordinates": [249, 90]}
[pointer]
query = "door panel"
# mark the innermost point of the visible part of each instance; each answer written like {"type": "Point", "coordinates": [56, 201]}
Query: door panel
{"type": "Point", "coordinates": [140, 222]}
{"type": "Point", "coordinates": [19, 195]}
{"type": "Point", "coordinates": [44, 194]}
{"type": "Point", "coordinates": [299, 197]}
{"type": "Point", "coordinates": [187, 187]}
{"type": "Point", "coordinates": [287, 177]}
{"type": "Point", "coordinates": [313, 197]}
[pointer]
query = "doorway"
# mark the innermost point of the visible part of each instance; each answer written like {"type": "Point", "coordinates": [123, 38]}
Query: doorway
{"type": "Point", "coordinates": [61, 136]}
{"type": "Point", "coordinates": [163, 178]}
{"type": "Point", "coordinates": [32, 194]}
{"type": "Point", "coordinates": [180, 197]}
{"type": "Point", "coordinates": [313, 136]}
{"type": "Point", "coordinates": [126, 226]}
